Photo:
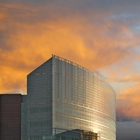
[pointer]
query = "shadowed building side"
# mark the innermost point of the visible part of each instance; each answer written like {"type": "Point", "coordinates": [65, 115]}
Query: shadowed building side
{"type": "Point", "coordinates": [10, 117]}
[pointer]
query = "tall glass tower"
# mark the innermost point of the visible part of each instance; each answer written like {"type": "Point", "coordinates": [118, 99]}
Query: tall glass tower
{"type": "Point", "coordinates": [64, 97]}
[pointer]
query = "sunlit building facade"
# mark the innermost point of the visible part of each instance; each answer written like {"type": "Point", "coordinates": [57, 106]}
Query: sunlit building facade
{"type": "Point", "coordinates": [62, 97]}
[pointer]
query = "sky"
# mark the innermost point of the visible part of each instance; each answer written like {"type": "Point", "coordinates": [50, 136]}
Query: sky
{"type": "Point", "coordinates": [101, 35]}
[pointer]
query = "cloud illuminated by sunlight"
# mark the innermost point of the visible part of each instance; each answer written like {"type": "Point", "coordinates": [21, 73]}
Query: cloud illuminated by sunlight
{"type": "Point", "coordinates": [128, 102]}
{"type": "Point", "coordinates": [29, 36]}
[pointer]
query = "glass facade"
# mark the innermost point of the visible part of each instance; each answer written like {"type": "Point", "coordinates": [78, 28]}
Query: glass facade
{"type": "Point", "coordinates": [82, 100]}
{"type": "Point", "coordinates": [63, 96]}
{"type": "Point", "coordinates": [38, 104]}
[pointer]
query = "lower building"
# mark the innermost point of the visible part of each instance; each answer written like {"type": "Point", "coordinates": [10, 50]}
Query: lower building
{"type": "Point", "coordinates": [76, 135]}
{"type": "Point", "coordinates": [10, 117]}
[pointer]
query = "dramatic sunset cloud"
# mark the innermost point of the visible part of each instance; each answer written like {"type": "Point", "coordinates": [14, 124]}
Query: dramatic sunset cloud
{"type": "Point", "coordinates": [128, 102]}
{"type": "Point", "coordinates": [30, 35]}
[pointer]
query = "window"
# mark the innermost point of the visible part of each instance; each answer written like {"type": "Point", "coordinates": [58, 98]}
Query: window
{"type": "Point", "coordinates": [63, 138]}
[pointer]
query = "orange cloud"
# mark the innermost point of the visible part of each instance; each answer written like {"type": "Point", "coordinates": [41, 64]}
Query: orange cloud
{"type": "Point", "coordinates": [128, 103]}
{"type": "Point", "coordinates": [12, 80]}
{"type": "Point", "coordinates": [129, 78]}
{"type": "Point", "coordinates": [28, 39]}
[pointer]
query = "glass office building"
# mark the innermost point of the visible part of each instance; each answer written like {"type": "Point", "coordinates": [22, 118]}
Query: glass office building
{"type": "Point", "coordinates": [63, 97]}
